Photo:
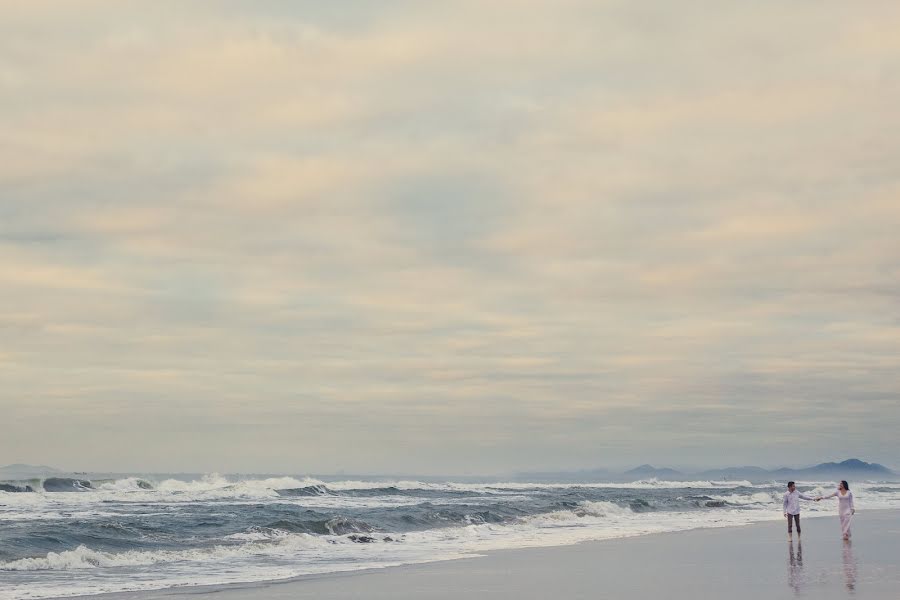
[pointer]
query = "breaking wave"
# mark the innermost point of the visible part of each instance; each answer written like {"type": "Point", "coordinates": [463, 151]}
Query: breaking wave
{"type": "Point", "coordinates": [72, 536]}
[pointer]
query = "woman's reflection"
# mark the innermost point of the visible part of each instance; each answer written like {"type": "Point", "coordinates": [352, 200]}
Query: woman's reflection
{"type": "Point", "coordinates": [849, 565]}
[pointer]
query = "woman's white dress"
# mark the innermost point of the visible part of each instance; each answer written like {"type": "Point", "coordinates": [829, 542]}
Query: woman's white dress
{"type": "Point", "coordinates": [845, 509]}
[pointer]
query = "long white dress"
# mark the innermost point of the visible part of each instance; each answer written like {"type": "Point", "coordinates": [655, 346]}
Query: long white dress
{"type": "Point", "coordinates": [845, 509]}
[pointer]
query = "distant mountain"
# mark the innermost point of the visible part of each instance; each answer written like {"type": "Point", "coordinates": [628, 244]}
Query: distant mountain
{"type": "Point", "coordinates": [849, 469]}
{"type": "Point", "coordinates": [20, 471]}
{"type": "Point", "coordinates": [651, 472]}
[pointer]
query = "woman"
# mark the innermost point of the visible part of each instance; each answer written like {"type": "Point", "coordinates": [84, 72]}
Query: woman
{"type": "Point", "coordinates": [845, 506]}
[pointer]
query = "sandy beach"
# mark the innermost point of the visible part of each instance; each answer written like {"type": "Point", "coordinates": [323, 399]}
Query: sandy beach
{"type": "Point", "coordinates": [735, 562]}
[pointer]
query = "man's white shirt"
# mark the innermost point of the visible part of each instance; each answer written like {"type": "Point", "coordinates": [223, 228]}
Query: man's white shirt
{"type": "Point", "coordinates": [792, 502]}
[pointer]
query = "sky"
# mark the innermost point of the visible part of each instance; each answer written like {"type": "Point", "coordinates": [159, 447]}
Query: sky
{"type": "Point", "coordinates": [449, 237]}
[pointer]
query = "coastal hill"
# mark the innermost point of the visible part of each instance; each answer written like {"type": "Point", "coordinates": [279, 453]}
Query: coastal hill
{"type": "Point", "coordinates": [20, 471]}
{"type": "Point", "coordinates": [849, 469]}
{"type": "Point", "coordinates": [651, 472]}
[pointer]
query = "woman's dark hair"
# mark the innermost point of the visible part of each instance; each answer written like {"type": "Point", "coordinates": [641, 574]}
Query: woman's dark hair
{"type": "Point", "coordinates": [845, 484]}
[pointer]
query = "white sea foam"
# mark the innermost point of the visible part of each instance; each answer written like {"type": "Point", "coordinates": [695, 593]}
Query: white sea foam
{"type": "Point", "coordinates": [86, 558]}
{"type": "Point", "coordinates": [129, 484]}
{"type": "Point", "coordinates": [589, 521]}
{"type": "Point", "coordinates": [506, 487]}
{"type": "Point", "coordinates": [267, 553]}
{"type": "Point", "coordinates": [214, 487]}
{"type": "Point", "coordinates": [763, 498]}
{"type": "Point", "coordinates": [217, 487]}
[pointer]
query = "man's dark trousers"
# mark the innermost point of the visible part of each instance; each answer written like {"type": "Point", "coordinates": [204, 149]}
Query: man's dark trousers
{"type": "Point", "coordinates": [796, 520]}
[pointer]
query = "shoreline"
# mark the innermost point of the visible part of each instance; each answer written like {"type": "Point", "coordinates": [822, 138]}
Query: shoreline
{"type": "Point", "coordinates": [446, 578]}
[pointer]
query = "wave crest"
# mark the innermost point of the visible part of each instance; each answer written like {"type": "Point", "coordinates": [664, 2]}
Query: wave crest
{"type": "Point", "coordinates": [84, 557]}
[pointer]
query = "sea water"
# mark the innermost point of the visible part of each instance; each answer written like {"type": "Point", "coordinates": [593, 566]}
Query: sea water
{"type": "Point", "coordinates": [78, 536]}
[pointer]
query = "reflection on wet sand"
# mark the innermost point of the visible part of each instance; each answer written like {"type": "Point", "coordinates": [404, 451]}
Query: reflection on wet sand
{"type": "Point", "coordinates": [795, 567]}
{"type": "Point", "coordinates": [849, 566]}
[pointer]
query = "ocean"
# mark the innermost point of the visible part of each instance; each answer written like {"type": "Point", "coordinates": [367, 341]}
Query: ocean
{"type": "Point", "coordinates": [70, 537]}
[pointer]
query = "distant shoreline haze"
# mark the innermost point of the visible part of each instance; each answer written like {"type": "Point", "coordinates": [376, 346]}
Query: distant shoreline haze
{"type": "Point", "coordinates": [848, 468]}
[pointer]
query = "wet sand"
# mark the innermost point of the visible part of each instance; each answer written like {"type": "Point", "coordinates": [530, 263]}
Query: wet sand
{"type": "Point", "coordinates": [737, 563]}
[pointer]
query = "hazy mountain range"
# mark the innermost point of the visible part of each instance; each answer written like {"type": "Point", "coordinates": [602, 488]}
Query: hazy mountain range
{"type": "Point", "coordinates": [20, 471]}
{"type": "Point", "coordinates": [850, 469]}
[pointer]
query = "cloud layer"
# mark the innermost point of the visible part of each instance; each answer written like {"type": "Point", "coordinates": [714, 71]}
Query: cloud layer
{"type": "Point", "coordinates": [448, 237]}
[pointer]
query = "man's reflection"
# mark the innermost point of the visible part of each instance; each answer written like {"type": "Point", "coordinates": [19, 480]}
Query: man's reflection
{"type": "Point", "coordinates": [795, 567]}
{"type": "Point", "coordinates": [849, 565]}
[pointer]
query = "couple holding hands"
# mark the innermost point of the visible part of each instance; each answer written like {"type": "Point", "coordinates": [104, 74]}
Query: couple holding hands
{"type": "Point", "coordinates": [846, 509]}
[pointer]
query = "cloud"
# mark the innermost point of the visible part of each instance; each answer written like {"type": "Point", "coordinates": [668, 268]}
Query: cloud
{"type": "Point", "coordinates": [506, 236]}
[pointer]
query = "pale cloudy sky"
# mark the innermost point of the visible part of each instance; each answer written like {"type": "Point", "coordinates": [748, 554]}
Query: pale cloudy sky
{"type": "Point", "coordinates": [448, 237]}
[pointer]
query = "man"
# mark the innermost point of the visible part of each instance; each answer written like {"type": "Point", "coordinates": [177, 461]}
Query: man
{"type": "Point", "coordinates": [792, 508]}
